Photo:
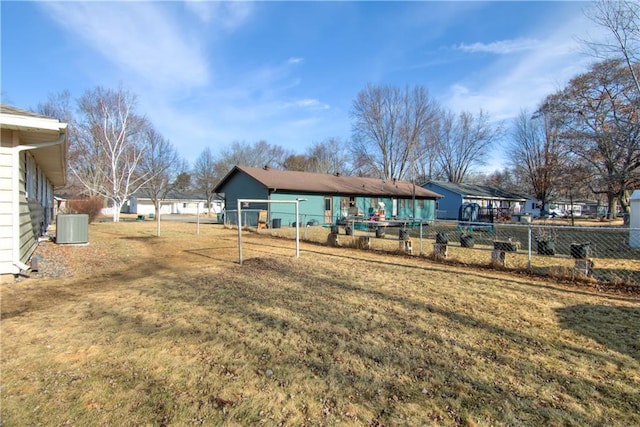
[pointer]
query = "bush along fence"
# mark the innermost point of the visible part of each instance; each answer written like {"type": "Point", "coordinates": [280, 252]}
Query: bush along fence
{"type": "Point", "coordinates": [606, 255]}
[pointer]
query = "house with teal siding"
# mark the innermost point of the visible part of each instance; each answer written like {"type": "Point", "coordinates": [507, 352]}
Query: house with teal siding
{"type": "Point", "coordinates": [328, 198]}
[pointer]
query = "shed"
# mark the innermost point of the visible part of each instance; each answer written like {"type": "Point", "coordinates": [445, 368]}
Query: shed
{"type": "Point", "coordinates": [493, 202]}
{"type": "Point", "coordinates": [329, 198]}
{"type": "Point", "coordinates": [32, 162]}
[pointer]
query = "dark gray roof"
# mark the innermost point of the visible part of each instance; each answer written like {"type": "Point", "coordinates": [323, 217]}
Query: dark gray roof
{"type": "Point", "coordinates": [478, 191]}
{"type": "Point", "coordinates": [307, 182]}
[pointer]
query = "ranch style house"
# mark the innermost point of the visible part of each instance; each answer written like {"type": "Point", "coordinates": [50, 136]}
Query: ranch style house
{"type": "Point", "coordinates": [328, 198]}
{"type": "Point", "coordinates": [491, 202]}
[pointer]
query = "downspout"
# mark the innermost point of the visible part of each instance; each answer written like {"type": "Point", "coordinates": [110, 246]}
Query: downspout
{"type": "Point", "coordinates": [15, 176]}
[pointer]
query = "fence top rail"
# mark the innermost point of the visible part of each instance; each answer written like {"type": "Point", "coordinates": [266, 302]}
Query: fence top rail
{"type": "Point", "coordinates": [603, 228]}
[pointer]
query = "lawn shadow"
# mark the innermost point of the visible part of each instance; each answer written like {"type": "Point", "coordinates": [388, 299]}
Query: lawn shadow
{"type": "Point", "coordinates": [614, 327]}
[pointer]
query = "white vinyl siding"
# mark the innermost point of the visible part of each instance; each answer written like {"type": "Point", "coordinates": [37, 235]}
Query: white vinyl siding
{"type": "Point", "coordinates": [31, 208]}
{"type": "Point", "coordinates": [26, 193]}
{"type": "Point", "coordinates": [6, 210]}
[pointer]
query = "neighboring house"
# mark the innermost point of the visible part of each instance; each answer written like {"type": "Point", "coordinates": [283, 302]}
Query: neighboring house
{"type": "Point", "coordinates": [554, 208]}
{"type": "Point", "coordinates": [593, 208]}
{"type": "Point", "coordinates": [174, 203]}
{"type": "Point", "coordinates": [32, 162]}
{"type": "Point", "coordinates": [328, 198]}
{"type": "Point", "coordinates": [493, 203]}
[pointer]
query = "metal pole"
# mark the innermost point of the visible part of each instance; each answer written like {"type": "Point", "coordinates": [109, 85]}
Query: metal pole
{"type": "Point", "coordinates": [198, 218]}
{"type": "Point", "coordinates": [297, 230]}
{"type": "Point", "coordinates": [420, 236]}
{"type": "Point", "coordinates": [304, 221]}
{"type": "Point", "coordinates": [529, 250]}
{"type": "Point", "coordinates": [239, 233]}
{"type": "Point", "coordinates": [353, 231]}
{"type": "Point", "coordinates": [247, 201]}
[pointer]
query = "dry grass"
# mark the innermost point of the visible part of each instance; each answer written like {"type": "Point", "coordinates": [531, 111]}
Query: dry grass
{"type": "Point", "coordinates": [172, 331]}
{"type": "Point", "coordinates": [614, 270]}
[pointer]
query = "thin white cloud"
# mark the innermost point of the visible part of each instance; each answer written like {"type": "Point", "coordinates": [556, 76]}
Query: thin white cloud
{"type": "Point", "coordinates": [140, 37]}
{"type": "Point", "coordinates": [294, 61]}
{"type": "Point", "coordinates": [226, 14]}
{"type": "Point", "coordinates": [312, 104]}
{"type": "Point", "coordinates": [501, 47]}
{"type": "Point", "coordinates": [514, 82]}
{"type": "Point", "coordinates": [520, 81]}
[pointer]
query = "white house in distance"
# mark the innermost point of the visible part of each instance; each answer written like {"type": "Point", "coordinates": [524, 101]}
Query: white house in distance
{"type": "Point", "coordinates": [174, 204]}
{"type": "Point", "coordinates": [555, 208]}
{"type": "Point", "coordinates": [32, 162]}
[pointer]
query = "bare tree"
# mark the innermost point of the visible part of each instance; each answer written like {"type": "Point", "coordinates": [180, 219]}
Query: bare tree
{"type": "Point", "coordinates": [205, 175]}
{"type": "Point", "coordinates": [601, 125]}
{"type": "Point", "coordinates": [428, 167]}
{"type": "Point", "coordinates": [622, 20]}
{"type": "Point", "coordinates": [162, 164]}
{"type": "Point", "coordinates": [329, 156]}
{"type": "Point", "coordinates": [297, 162]}
{"type": "Point", "coordinates": [109, 146]}
{"type": "Point", "coordinates": [464, 141]}
{"type": "Point", "coordinates": [60, 106]}
{"type": "Point", "coordinates": [536, 152]}
{"type": "Point", "coordinates": [505, 179]}
{"type": "Point", "coordinates": [388, 128]}
{"type": "Point", "coordinates": [256, 155]}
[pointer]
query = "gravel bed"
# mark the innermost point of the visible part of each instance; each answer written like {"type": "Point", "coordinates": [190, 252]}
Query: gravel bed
{"type": "Point", "coordinates": [50, 260]}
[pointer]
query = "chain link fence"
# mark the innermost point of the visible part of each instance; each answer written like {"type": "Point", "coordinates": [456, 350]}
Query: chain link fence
{"type": "Point", "coordinates": [600, 253]}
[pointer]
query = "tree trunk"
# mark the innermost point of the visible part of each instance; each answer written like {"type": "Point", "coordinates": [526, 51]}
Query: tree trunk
{"type": "Point", "coordinates": [611, 200]}
{"type": "Point", "coordinates": [625, 203]}
{"type": "Point", "coordinates": [116, 211]}
{"type": "Point", "coordinates": [157, 218]}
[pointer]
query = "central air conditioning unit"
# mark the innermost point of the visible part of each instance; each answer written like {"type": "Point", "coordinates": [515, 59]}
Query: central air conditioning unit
{"type": "Point", "coordinates": [72, 228]}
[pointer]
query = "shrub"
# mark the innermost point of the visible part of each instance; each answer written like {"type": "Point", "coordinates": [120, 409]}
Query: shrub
{"type": "Point", "coordinates": [91, 206]}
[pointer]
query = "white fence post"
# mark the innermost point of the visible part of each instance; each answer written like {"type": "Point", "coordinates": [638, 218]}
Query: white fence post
{"type": "Point", "coordinates": [634, 220]}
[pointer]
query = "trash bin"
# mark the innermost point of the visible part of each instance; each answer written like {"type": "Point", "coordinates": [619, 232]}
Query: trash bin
{"type": "Point", "coordinates": [276, 223]}
{"type": "Point", "coordinates": [442, 238]}
{"type": "Point", "coordinates": [466, 240]}
{"type": "Point", "coordinates": [580, 250]}
{"type": "Point", "coordinates": [546, 247]}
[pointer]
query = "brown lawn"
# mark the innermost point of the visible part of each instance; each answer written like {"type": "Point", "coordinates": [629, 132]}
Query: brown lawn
{"type": "Point", "coordinates": [140, 330]}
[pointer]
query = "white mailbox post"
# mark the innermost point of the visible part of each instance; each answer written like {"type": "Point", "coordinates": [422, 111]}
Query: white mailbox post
{"type": "Point", "coordinates": [634, 220]}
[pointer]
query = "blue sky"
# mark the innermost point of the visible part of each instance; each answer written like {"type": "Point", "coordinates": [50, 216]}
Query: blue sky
{"type": "Point", "coordinates": [210, 73]}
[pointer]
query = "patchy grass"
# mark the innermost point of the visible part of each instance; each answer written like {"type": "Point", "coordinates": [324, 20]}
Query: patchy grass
{"type": "Point", "coordinates": [615, 267]}
{"type": "Point", "coordinates": [172, 331]}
